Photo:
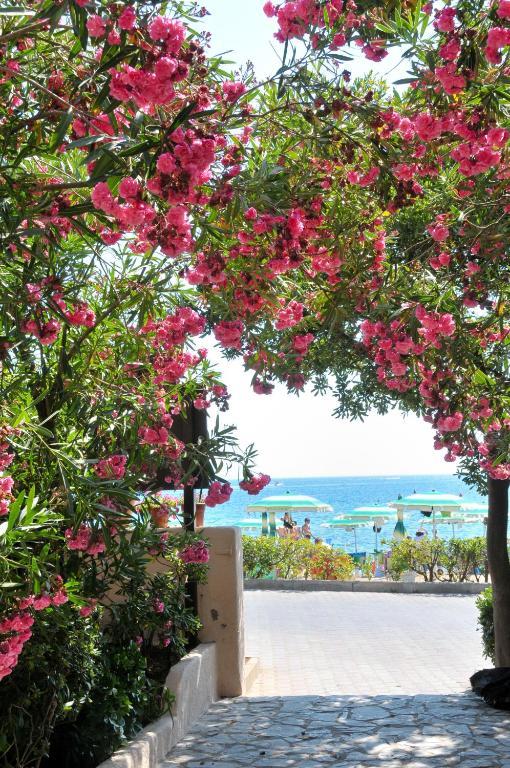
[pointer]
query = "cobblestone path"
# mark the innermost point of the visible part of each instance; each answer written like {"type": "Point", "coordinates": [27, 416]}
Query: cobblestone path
{"type": "Point", "coordinates": [355, 681]}
{"type": "Point", "coordinates": [348, 732]}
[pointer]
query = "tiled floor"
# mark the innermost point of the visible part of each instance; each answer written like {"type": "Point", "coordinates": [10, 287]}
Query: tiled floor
{"type": "Point", "coordinates": [361, 643]}
{"type": "Point", "coordinates": [354, 680]}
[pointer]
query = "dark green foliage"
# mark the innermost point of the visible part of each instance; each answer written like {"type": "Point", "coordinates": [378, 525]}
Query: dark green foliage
{"type": "Point", "coordinates": [486, 623]}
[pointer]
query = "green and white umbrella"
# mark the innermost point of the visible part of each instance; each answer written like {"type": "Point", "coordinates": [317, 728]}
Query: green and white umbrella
{"type": "Point", "coordinates": [250, 524]}
{"type": "Point", "coordinates": [269, 506]}
{"type": "Point", "coordinates": [456, 520]}
{"type": "Point", "coordinates": [348, 524]}
{"type": "Point", "coordinates": [435, 503]}
{"type": "Point", "coordinates": [375, 515]}
{"type": "Point", "coordinates": [289, 503]}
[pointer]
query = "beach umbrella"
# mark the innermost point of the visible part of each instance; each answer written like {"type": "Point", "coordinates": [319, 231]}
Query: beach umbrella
{"type": "Point", "coordinates": [399, 531]}
{"type": "Point", "coordinates": [270, 505]}
{"type": "Point", "coordinates": [453, 520]}
{"type": "Point", "coordinates": [249, 523]}
{"type": "Point", "coordinates": [375, 515]}
{"type": "Point", "coordinates": [435, 503]}
{"type": "Point", "coordinates": [289, 503]}
{"type": "Point", "coordinates": [348, 524]}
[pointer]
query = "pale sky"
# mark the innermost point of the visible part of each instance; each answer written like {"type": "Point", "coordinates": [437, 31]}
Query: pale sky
{"type": "Point", "coordinates": [299, 436]}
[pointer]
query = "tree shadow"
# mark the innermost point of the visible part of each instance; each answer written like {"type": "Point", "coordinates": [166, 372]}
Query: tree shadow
{"type": "Point", "coordinates": [424, 731]}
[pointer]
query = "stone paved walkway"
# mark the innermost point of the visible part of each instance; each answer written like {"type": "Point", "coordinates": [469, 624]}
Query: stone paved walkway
{"type": "Point", "coordinates": [355, 681]}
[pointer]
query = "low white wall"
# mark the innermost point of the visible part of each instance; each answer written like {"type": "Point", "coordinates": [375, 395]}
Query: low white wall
{"type": "Point", "coordinates": [399, 587]}
{"type": "Point", "coordinates": [194, 683]}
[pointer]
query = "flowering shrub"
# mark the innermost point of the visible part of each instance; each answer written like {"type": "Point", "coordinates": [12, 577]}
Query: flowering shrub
{"type": "Point", "coordinates": [293, 558]}
{"type": "Point", "coordinates": [331, 564]}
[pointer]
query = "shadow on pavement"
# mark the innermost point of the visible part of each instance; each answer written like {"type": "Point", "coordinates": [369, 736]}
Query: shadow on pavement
{"type": "Point", "coordinates": [424, 731]}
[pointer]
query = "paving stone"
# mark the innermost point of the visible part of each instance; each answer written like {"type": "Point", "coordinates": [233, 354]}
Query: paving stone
{"type": "Point", "coordinates": [387, 701]}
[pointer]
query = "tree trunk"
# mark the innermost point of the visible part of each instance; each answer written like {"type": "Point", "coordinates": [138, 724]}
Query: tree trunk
{"type": "Point", "coordinates": [499, 567]}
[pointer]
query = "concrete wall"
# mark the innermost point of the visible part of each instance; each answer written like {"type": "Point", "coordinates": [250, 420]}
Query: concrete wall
{"type": "Point", "coordinates": [221, 607]}
{"type": "Point", "coordinates": [193, 681]}
{"type": "Point", "coordinates": [416, 587]}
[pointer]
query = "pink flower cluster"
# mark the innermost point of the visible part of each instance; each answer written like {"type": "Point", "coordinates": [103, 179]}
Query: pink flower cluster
{"type": "Point", "coordinates": [229, 333]}
{"type": "Point", "coordinates": [289, 315]}
{"type": "Point", "coordinates": [47, 332]}
{"type": "Point", "coordinates": [218, 493]}
{"type": "Point", "coordinates": [197, 552]}
{"type": "Point", "coordinates": [6, 485]}
{"type": "Point", "coordinates": [364, 179]}
{"type": "Point", "coordinates": [450, 423]}
{"type": "Point", "coordinates": [112, 468]}
{"type": "Point", "coordinates": [16, 626]}
{"type": "Point", "coordinates": [390, 347]}
{"type": "Point", "coordinates": [186, 167]}
{"type": "Point", "coordinates": [497, 38]}
{"type": "Point", "coordinates": [434, 325]}
{"type": "Point", "coordinates": [297, 18]}
{"type": "Point", "coordinates": [6, 482]}
{"type": "Point", "coordinates": [154, 85]}
{"type": "Point", "coordinates": [233, 90]}
{"type": "Point", "coordinates": [175, 328]}
{"type": "Point", "coordinates": [172, 368]}
{"type": "Point", "coordinates": [255, 484]}
{"type": "Point", "coordinates": [301, 343]}
{"type": "Point", "coordinates": [85, 540]}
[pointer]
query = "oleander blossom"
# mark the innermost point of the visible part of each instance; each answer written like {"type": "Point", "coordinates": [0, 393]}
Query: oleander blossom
{"type": "Point", "coordinates": [218, 493]}
{"type": "Point", "coordinates": [113, 468]}
{"type": "Point", "coordinates": [85, 539]}
{"type": "Point", "coordinates": [255, 484]}
{"type": "Point", "coordinates": [196, 553]}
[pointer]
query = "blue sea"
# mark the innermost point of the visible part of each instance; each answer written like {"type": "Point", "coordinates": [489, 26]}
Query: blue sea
{"type": "Point", "coordinates": [346, 493]}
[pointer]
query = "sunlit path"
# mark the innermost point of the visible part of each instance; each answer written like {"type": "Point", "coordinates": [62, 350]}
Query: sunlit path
{"type": "Point", "coordinates": [355, 681]}
{"type": "Point", "coordinates": [345, 643]}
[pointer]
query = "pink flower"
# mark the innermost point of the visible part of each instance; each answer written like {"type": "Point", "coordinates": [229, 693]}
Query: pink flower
{"type": "Point", "coordinates": [427, 127]}
{"type": "Point", "coordinates": [438, 232]}
{"type": "Point", "coordinates": [218, 493]}
{"type": "Point", "coordinates": [96, 26]}
{"type": "Point", "coordinates": [289, 315]}
{"type": "Point", "coordinates": [450, 50]}
{"type": "Point", "coordinates": [195, 553]}
{"type": "Point", "coordinates": [59, 598]}
{"type": "Point", "coordinates": [129, 188]}
{"type": "Point", "coordinates": [445, 20]}
{"type": "Point", "coordinates": [233, 90]}
{"type": "Point", "coordinates": [504, 9]}
{"type": "Point", "coordinates": [229, 333]}
{"type": "Point", "coordinates": [450, 423]}
{"type": "Point", "coordinates": [127, 18]}
{"type": "Point", "coordinates": [86, 610]}
{"type": "Point", "coordinates": [171, 31]}
{"type": "Point", "coordinates": [41, 602]}
{"type": "Point", "coordinates": [158, 606]}
{"type": "Point", "coordinates": [301, 342]}
{"type": "Point", "coordinates": [269, 9]}
{"type": "Point", "coordinates": [112, 468]}
{"type": "Point", "coordinates": [450, 79]}
{"type": "Point", "coordinates": [255, 484]}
